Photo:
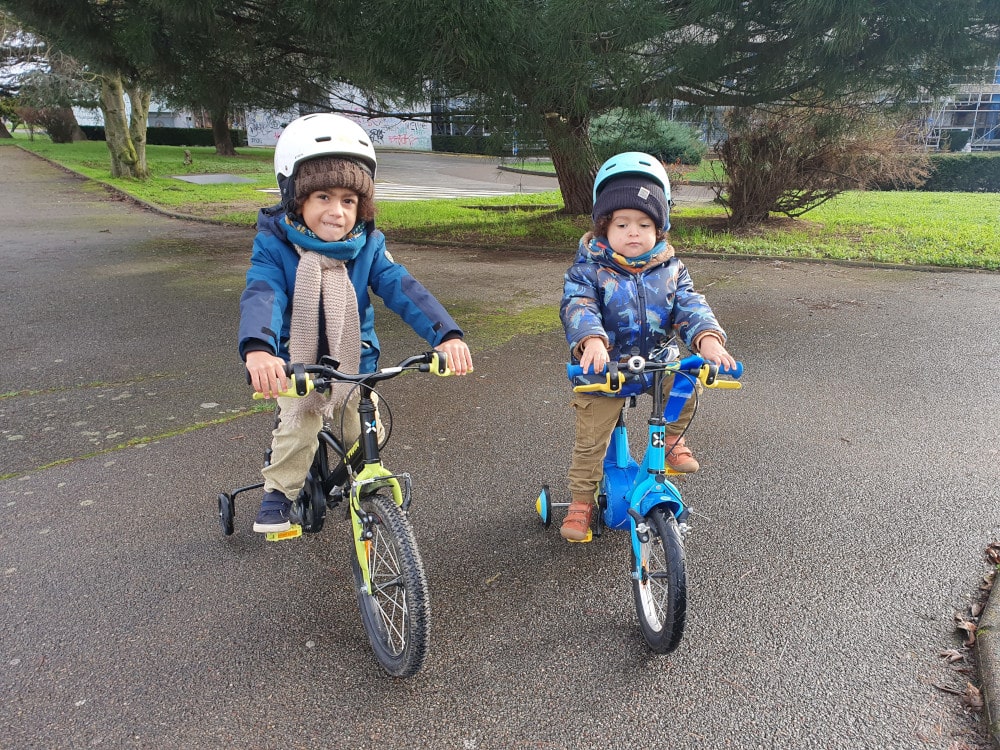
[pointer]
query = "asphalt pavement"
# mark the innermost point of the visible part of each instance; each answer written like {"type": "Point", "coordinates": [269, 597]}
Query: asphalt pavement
{"type": "Point", "coordinates": [846, 497]}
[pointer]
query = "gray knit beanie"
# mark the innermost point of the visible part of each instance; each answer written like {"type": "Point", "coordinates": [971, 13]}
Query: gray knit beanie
{"type": "Point", "coordinates": [636, 192]}
{"type": "Point", "coordinates": [327, 172]}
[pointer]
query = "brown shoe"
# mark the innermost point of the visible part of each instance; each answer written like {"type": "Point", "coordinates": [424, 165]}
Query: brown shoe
{"type": "Point", "coordinates": [576, 526]}
{"type": "Point", "coordinates": [679, 456]}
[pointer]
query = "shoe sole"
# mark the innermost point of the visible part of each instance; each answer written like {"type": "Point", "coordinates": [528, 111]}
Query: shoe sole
{"type": "Point", "coordinates": [267, 528]}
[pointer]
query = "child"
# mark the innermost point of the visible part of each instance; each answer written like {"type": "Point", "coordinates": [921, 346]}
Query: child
{"type": "Point", "coordinates": [319, 249]}
{"type": "Point", "coordinates": [626, 293]}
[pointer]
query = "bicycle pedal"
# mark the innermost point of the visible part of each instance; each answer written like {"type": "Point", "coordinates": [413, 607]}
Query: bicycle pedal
{"type": "Point", "coordinates": [589, 537]}
{"type": "Point", "coordinates": [279, 536]}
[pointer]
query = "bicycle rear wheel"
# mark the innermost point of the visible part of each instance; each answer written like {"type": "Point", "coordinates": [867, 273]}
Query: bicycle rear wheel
{"type": "Point", "coordinates": [661, 591]}
{"type": "Point", "coordinates": [396, 614]}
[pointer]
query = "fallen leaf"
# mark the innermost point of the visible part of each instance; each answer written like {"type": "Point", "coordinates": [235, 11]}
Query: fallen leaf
{"type": "Point", "coordinates": [968, 627]}
{"type": "Point", "coordinates": [952, 655]}
{"type": "Point", "coordinates": [973, 697]}
{"type": "Point", "coordinates": [993, 552]}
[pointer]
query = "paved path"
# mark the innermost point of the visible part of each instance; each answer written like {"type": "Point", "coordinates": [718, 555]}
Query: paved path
{"type": "Point", "coordinates": [846, 497]}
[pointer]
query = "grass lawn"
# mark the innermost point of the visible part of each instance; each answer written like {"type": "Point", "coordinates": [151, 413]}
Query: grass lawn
{"type": "Point", "coordinates": [907, 228]}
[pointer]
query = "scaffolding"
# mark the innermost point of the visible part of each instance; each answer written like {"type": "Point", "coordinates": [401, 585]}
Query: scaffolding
{"type": "Point", "coordinates": [970, 116]}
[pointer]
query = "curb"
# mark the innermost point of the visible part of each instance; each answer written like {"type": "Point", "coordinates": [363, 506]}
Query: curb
{"type": "Point", "coordinates": [532, 172]}
{"type": "Point", "coordinates": [988, 660]}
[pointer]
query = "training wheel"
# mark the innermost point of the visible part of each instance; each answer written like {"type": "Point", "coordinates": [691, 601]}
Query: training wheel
{"type": "Point", "coordinates": [226, 513]}
{"type": "Point", "coordinates": [543, 506]}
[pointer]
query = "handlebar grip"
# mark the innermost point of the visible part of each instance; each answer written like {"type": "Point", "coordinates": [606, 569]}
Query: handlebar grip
{"type": "Point", "coordinates": [439, 364]}
{"type": "Point", "coordinates": [300, 385]}
{"type": "Point", "coordinates": [735, 372]}
{"type": "Point", "coordinates": [602, 382]}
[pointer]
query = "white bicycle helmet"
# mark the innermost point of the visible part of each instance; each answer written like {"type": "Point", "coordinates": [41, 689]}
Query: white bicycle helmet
{"type": "Point", "coordinates": [632, 162]}
{"type": "Point", "coordinates": [319, 134]}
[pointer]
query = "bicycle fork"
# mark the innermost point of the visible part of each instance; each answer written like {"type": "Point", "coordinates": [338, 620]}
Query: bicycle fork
{"type": "Point", "coordinates": [650, 490]}
{"type": "Point", "coordinates": [372, 477]}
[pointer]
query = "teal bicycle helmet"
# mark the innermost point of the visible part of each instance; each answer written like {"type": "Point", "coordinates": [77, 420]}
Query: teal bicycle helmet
{"type": "Point", "coordinates": [635, 163]}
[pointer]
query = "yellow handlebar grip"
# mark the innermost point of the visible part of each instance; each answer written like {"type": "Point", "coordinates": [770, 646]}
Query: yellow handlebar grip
{"type": "Point", "coordinates": [435, 365]}
{"type": "Point", "coordinates": [436, 360]}
{"type": "Point", "coordinates": [291, 391]}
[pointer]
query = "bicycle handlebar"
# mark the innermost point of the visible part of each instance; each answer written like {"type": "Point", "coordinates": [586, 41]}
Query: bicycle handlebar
{"type": "Point", "coordinates": [616, 374]}
{"type": "Point", "coordinates": [308, 378]}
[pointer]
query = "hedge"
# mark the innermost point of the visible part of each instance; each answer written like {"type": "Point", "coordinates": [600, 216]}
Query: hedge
{"type": "Point", "coordinates": [484, 145]}
{"type": "Point", "coordinates": [173, 136]}
{"type": "Point", "coordinates": [966, 173]}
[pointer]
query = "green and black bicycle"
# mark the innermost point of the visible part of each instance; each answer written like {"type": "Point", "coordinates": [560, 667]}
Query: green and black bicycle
{"type": "Point", "coordinates": [389, 574]}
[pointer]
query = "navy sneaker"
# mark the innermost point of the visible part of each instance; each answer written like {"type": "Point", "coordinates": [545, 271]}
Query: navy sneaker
{"type": "Point", "coordinates": [273, 513]}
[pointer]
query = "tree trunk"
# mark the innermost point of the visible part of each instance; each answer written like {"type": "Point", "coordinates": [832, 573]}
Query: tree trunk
{"type": "Point", "coordinates": [124, 160]}
{"type": "Point", "coordinates": [573, 157]}
{"type": "Point", "coordinates": [4, 133]}
{"type": "Point", "coordinates": [220, 131]}
{"type": "Point", "coordinates": [138, 124]}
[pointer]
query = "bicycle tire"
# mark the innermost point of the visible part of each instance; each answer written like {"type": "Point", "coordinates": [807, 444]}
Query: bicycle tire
{"type": "Point", "coordinates": [661, 592]}
{"type": "Point", "coordinates": [396, 616]}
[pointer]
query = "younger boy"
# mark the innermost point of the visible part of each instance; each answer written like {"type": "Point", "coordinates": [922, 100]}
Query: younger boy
{"type": "Point", "coordinates": [626, 293]}
{"type": "Point", "coordinates": [315, 258]}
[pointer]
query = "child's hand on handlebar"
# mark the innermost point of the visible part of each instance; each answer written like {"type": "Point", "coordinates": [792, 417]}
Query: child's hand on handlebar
{"type": "Point", "coordinates": [594, 357]}
{"type": "Point", "coordinates": [459, 356]}
{"type": "Point", "coordinates": [267, 373]}
{"type": "Point", "coordinates": [712, 350]}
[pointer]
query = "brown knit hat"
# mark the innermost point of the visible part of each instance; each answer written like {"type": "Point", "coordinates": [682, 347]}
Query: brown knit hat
{"type": "Point", "coordinates": [327, 172]}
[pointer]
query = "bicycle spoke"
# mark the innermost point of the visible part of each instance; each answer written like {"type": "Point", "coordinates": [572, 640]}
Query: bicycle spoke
{"type": "Point", "coordinates": [388, 591]}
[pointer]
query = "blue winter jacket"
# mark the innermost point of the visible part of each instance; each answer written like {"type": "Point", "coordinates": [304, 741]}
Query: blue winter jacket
{"type": "Point", "coordinates": [634, 311]}
{"type": "Point", "coordinates": [266, 309]}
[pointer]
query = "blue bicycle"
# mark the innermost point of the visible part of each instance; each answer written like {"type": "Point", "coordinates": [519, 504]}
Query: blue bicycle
{"type": "Point", "coordinates": [638, 495]}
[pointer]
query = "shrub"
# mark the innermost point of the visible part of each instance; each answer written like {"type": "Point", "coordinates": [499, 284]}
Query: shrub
{"type": "Point", "coordinates": [790, 160]}
{"type": "Point", "coordinates": [956, 139]}
{"type": "Point", "coordinates": [59, 122]}
{"type": "Point", "coordinates": [622, 130]}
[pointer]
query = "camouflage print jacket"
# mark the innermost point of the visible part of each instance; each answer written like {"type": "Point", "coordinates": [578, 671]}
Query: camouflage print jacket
{"type": "Point", "coordinates": [636, 309]}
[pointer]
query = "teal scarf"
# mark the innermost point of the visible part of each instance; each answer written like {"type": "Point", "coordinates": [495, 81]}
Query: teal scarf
{"type": "Point", "coordinates": [345, 249]}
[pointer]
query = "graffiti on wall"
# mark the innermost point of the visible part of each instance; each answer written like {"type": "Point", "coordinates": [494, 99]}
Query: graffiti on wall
{"type": "Point", "coordinates": [263, 129]}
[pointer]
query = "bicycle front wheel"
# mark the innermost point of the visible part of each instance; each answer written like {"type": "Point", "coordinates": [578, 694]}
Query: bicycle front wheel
{"type": "Point", "coordinates": [396, 613]}
{"type": "Point", "coordinates": [660, 591]}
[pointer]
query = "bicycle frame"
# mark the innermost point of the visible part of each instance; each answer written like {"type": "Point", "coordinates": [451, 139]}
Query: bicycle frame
{"type": "Point", "coordinates": [631, 490]}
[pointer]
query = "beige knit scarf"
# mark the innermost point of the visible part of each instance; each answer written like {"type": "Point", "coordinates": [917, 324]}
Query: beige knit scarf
{"type": "Point", "coordinates": [320, 278]}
